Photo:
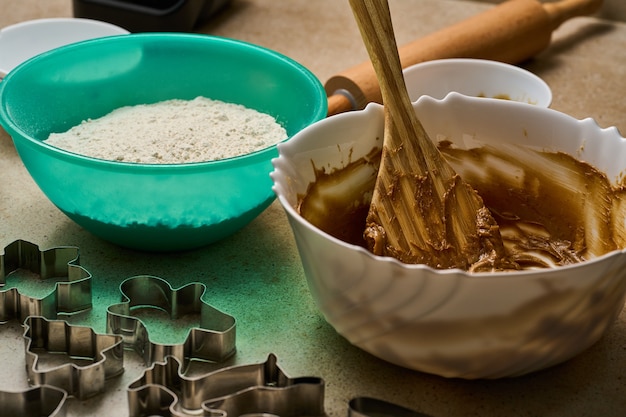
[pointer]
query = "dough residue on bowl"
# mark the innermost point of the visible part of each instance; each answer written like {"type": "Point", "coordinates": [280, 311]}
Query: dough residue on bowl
{"type": "Point", "coordinates": [551, 209]}
{"type": "Point", "coordinates": [172, 132]}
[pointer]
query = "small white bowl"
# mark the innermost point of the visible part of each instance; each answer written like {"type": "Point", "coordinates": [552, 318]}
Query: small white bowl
{"type": "Point", "coordinates": [450, 322]}
{"type": "Point", "coordinates": [24, 40]}
{"type": "Point", "coordinates": [476, 78]}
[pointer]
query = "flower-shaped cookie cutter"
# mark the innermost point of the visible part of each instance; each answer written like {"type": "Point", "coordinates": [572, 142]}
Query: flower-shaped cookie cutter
{"type": "Point", "coordinates": [256, 389]}
{"type": "Point", "coordinates": [103, 352]}
{"type": "Point", "coordinates": [212, 340]}
{"type": "Point", "coordinates": [38, 401]}
{"type": "Point", "coordinates": [72, 293]}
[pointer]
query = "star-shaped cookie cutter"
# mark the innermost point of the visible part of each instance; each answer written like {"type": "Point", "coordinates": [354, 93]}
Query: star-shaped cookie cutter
{"type": "Point", "coordinates": [103, 352]}
{"type": "Point", "coordinates": [257, 389]}
{"type": "Point", "coordinates": [212, 340]}
{"type": "Point", "coordinates": [41, 401]}
{"type": "Point", "coordinates": [72, 293]}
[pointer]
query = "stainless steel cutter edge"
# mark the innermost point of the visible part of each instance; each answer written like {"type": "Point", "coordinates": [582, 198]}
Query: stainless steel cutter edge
{"type": "Point", "coordinates": [214, 339]}
{"type": "Point", "coordinates": [241, 389]}
{"type": "Point", "coordinates": [72, 295]}
{"type": "Point", "coordinates": [372, 407]}
{"type": "Point", "coordinates": [304, 398]}
{"type": "Point", "coordinates": [40, 401]}
{"type": "Point", "coordinates": [57, 336]}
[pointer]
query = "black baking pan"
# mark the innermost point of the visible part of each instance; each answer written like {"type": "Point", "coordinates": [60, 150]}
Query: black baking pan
{"type": "Point", "coordinates": [149, 15]}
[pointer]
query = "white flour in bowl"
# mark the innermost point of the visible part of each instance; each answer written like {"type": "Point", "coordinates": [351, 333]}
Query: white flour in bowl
{"type": "Point", "coordinates": [172, 132]}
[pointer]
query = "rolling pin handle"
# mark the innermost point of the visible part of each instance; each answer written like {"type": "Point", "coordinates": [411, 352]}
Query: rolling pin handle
{"type": "Point", "coordinates": [563, 10]}
{"type": "Point", "coordinates": [340, 101]}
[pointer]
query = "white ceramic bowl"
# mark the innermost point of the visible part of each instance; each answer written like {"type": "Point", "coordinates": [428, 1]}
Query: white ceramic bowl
{"type": "Point", "coordinates": [24, 40]}
{"type": "Point", "coordinates": [476, 78]}
{"type": "Point", "coordinates": [450, 322]}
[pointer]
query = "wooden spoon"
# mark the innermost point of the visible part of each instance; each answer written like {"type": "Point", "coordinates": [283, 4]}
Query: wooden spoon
{"type": "Point", "coordinates": [421, 210]}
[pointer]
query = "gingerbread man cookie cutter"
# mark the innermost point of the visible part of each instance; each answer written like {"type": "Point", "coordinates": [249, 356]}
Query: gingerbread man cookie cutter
{"type": "Point", "coordinates": [72, 293]}
{"type": "Point", "coordinates": [212, 340]}
{"type": "Point", "coordinates": [102, 353]}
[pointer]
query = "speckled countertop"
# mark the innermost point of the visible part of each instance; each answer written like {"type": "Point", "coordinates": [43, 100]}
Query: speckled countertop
{"type": "Point", "coordinates": [256, 276]}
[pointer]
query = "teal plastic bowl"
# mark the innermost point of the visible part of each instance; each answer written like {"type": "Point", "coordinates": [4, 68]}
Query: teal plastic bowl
{"type": "Point", "coordinates": [142, 206]}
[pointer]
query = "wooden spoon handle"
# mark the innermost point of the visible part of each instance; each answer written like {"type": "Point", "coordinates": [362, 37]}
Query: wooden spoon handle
{"type": "Point", "coordinates": [374, 20]}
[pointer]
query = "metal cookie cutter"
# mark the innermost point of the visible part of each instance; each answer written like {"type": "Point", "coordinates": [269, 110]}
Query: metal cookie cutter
{"type": "Point", "coordinates": [72, 293]}
{"type": "Point", "coordinates": [213, 340]}
{"type": "Point", "coordinates": [262, 389]}
{"type": "Point", "coordinates": [42, 401]}
{"type": "Point", "coordinates": [300, 399]}
{"type": "Point", "coordinates": [103, 353]}
{"type": "Point", "coordinates": [372, 407]}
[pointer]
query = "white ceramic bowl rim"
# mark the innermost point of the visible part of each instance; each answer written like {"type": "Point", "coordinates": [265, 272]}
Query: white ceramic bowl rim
{"type": "Point", "coordinates": [471, 76]}
{"type": "Point", "coordinates": [375, 107]}
{"type": "Point", "coordinates": [24, 40]}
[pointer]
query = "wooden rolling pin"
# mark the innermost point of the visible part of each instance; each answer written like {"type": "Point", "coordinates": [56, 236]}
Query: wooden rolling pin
{"type": "Point", "coordinates": [510, 32]}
